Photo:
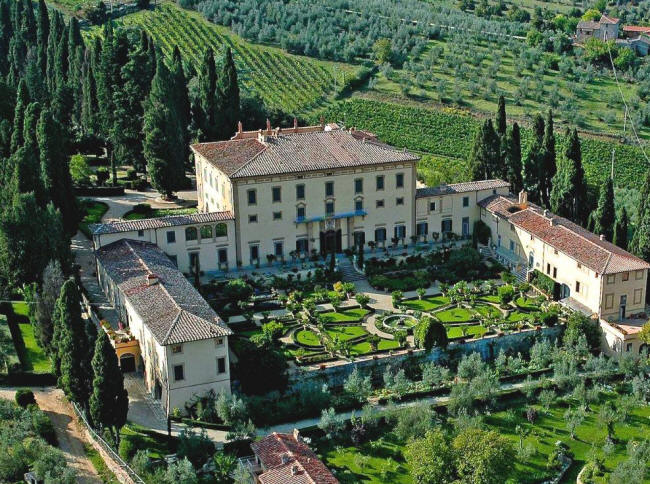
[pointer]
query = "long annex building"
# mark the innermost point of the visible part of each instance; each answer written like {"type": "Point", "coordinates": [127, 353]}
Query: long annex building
{"type": "Point", "coordinates": [276, 194]}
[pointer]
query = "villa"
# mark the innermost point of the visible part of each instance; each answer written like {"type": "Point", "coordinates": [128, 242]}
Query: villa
{"type": "Point", "coordinates": [304, 191]}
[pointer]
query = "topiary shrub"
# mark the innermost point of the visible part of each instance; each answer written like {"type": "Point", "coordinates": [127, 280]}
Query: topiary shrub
{"type": "Point", "coordinates": [127, 449]}
{"type": "Point", "coordinates": [24, 397]}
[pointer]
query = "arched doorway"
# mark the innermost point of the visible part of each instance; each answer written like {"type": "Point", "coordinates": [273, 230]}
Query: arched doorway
{"type": "Point", "coordinates": [331, 241]}
{"type": "Point", "coordinates": [127, 363]}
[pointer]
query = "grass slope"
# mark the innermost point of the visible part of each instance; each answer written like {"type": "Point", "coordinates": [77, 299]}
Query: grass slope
{"type": "Point", "coordinates": [292, 83]}
{"type": "Point", "coordinates": [449, 133]}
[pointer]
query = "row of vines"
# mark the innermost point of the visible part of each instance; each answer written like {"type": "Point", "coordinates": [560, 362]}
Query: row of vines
{"type": "Point", "coordinates": [450, 133]}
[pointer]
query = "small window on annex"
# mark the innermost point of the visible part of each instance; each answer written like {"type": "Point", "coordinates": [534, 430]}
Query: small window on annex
{"type": "Point", "coordinates": [206, 231]}
{"type": "Point", "coordinates": [221, 230]}
{"type": "Point", "coordinates": [191, 233]}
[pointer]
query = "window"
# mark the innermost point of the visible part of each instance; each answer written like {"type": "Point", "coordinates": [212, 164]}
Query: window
{"type": "Point", "coordinates": [358, 185]}
{"type": "Point", "coordinates": [191, 234]}
{"type": "Point", "coordinates": [579, 265]}
{"type": "Point", "coordinates": [465, 201]}
{"type": "Point", "coordinates": [380, 182]}
{"type": "Point", "coordinates": [277, 215]}
{"type": "Point", "coordinates": [609, 301]}
{"type": "Point", "coordinates": [554, 272]}
{"type": "Point", "coordinates": [399, 201]}
{"type": "Point", "coordinates": [432, 206]}
{"type": "Point", "coordinates": [329, 189]}
{"type": "Point", "coordinates": [171, 237]}
{"type": "Point", "coordinates": [422, 228]}
{"type": "Point", "coordinates": [555, 251]}
{"type": "Point", "coordinates": [252, 196]}
{"type": "Point", "coordinates": [278, 249]}
{"type": "Point", "coordinates": [380, 203]}
{"type": "Point", "coordinates": [223, 256]}
{"type": "Point", "coordinates": [300, 212]}
{"type": "Point", "coordinates": [446, 226]}
{"type": "Point", "coordinates": [300, 192]}
{"type": "Point", "coordinates": [359, 238]}
{"type": "Point", "coordinates": [628, 347]}
{"type": "Point", "coordinates": [611, 279]}
{"type": "Point", "coordinates": [206, 231]}
{"type": "Point", "coordinates": [358, 205]}
{"type": "Point", "coordinates": [400, 231]}
{"type": "Point", "coordinates": [638, 275]}
{"type": "Point", "coordinates": [140, 233]}
{"type": "Point", "coordinates": [548, 268]}
{"type": "Point", "coordinates": [221, 230]}
{"type": "Point", "coordinates": [626, 276]}
{"type": "Point", "coordinates": [380, 235]}
{"type": "Point", "coordinates": [329, 208]}
{"type": "Point", "coordinates": [623, 300]}
{"type": "Point", "coordinates": [179, 373]}
{"type": "Point", "coordinates": [512, 228]}
{"type": "Point", "coordinates": [177, 349]}
{"type": "Point", "coordinates": [512, 246]}
{"type": "Point", "coordinates": [578, 286]}
{"type": "Point", "coordinates": [637, 296]}
{"type": "Point", "coordinates": [254, 252]}
{"type": "Point", "coordinates": [221, 365]}
{"type": "Point", "coordinates": [276, 194]}
{"type": "Point", "coordinates": [174, 260]}
{"type": "Point", "coordinates": [252, 219]}
{"type": "Point", "coordinates": [399, 180]}
{"type": "Point", "coordinates": [218, 342]}
{"type": "Point", "coordinates": [302, 245]}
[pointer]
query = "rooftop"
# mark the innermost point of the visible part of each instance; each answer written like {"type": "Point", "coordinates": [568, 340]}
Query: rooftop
{"type": "Point", "coordinates": [160, 294]}
{"type": "Point", "coordinates": [589, 24]}
{"type": "Point", "coordinates": [159, 222]}
{"type": "Point", "coordinates": [461, 188]}
{"type": "Point", "coordinates": [288, 460]}
{"type": "Point", "coordinates": [636, 28]}
{"type": "Point", "coordinates": [567, 237]}
{"type": "Point", "coordinates": [604, 19]}
{"type": "Point", "coordinates": [278, 151]}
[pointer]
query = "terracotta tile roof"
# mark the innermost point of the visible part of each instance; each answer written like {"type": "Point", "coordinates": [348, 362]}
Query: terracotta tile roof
{"type": "Point", "coordinates": [460, 188]}
{"type": "Point", "coordinates": [159, 222]}
{"type": "Point", "coordinates": [567, 237]}
{"type": "Point", "coordinates": [635, 28]}
{"type": "Point", "coordinates": [288, 460]}
{"type": "Point", "coordinates": [588, 25]}
{"type": "Point", "coordinates": [171, 308]}
{"type": "Point", "coordinates": [604, 19]}
{"type": "Point", "coordinates": [289, 152]}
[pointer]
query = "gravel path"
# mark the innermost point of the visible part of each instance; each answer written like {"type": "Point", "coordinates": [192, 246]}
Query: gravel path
{"type": "Point", "coordinates": [70, 436]}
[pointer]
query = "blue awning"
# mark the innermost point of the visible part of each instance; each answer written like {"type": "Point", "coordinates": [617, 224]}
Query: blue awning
{"type": "Point", "coordinates": [320, 218]}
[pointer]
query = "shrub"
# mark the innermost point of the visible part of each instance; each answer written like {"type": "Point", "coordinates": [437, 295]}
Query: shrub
{"type": "Point", "coordinates": [102, 175]}
{"type": "Point", "coordinates": [506, 294]}
{"type": "Point", "coordinates": [197, 448]}
{"type": "Point", "coordinates": [131, 174]}
{"type": "Point", "coordinates": [43, 426]}
{"type": "Point", "coordinates": [24, 397]}
{"type": "Point", "coordinates": [481, 233]}
{"type": "Point", "coordinates": [142, 208]}
{"type": "Point", "coordinates": [79, 170]}
{"type": "Point", "coordinates": [127, 449]}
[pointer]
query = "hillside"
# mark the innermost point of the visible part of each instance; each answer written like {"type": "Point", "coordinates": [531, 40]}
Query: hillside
{"type": "Point", "coordinates": [449, 133]}
{"type": "Point", "coordinates": [294, 84]}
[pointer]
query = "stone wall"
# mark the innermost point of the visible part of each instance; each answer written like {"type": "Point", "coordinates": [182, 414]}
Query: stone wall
{"type": "Point", "coordinates": [489, 347]}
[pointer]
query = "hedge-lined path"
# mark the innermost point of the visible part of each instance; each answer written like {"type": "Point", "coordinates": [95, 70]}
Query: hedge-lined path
{"type": "Point", "coordinates": [371, 327]}
{"type": "Point", "coordinates": [70, 436]}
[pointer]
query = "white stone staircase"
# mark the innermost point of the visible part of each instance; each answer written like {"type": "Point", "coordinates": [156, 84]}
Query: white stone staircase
{"type": "Point", "coordinates": [348, 272]}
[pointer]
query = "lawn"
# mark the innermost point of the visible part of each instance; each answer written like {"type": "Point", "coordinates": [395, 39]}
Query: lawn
{"type": "Point", "coordinates": [158, 445]}
{"type": "Point", "coordinates": [363, 348]}
{"type": "Point", "coordinates": [487, 311]}
{"type": "Point", "coordinates": [455, 315]}
{"type": "Point", "coordinates": [159, 212]}
{"type": "Point", "coordinates": [92, 213]}
{"type": "Point", "coordinates": [6, 343]}
{"type": "Point", "coordinates": [374, 462]}
{"type": "Point", "coordinates": [516, 316]}
{"type": "Point", "coordinates": [492, 298]}
{"type": "Point", "coordinates": [37, 360]}
{"type": "Point", "coordinates": [426, 304]}
{"type": "Point", "coordinates": [527, 303]}
{"type": "Point", "coordinates": [346, 333]}
{"type": "Point", "coordinates": [307, 337]}
{"type": "Point", "coordinates": [473, 330]}
{"type": "Point", "coordinates": [100, 466]}
{"type": "Point", "coordinates": [349, 315]}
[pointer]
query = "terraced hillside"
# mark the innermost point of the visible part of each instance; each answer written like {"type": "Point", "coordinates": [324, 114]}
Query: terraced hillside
{"type": "Point", "coordinates": [292, 83]}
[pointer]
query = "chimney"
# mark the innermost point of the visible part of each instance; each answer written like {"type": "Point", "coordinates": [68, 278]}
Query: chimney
{"type": "Point", "coordinates": [552, 220]}
{"type": "Point", "coordinates": [296, 434]}
{"type": "Point", "coordinates": [268, 126]}
{"type": "Point", "coordinates": [295, 124]}
{"type": "Point", "coordinates": [285, 458]}
{"type": "Point", "coordinates": [152, 279]}
{"type": "Point", "coordinates": [546, 213]}
{"type": "Point", "coordinates": [523, 197]}
{"type": "Point", "coordinates": [240, 127]}
{"type": "Point", "coordinates": [294, 470]}
{"type": "Point", "coordinates": [602, 236]}
{"type": "Point", "coordinates": [322, 122]}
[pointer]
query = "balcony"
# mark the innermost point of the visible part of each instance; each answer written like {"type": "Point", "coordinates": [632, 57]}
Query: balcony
{"type": "Point", "coordinates": [320, 218]}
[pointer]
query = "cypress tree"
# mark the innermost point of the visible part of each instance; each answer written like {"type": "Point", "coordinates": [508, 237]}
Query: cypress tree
{"type": "Point", "coordinates": [500, 122]}
{"type": "Point", "coordinates": [28, 26]}
{"type": "Point", "coordinates": [227, 94]}
{"type": "Point", "coordinates": [163, 143]}
{"type": "Point", "coordinates": [61, 63]}
{"type": "Point", "coordinates": [620, 232]}
{"type": "Point", "coordinates": [27, 173]}
{"type": "Point", "coordinates": [573, 152]}
{"type": "Point", "coordinates": [73, 373]}
{"type": "Point", "coordinates": [89, 107]}
{"type": "Point", "coordinates": [605, 214]}
{"type": "Point", "coordinates": [484, 157]}
{"type": "Point", "coordinates": [109, 402]}
{"type": "Point", "coordinates": [55, 171]}
{"type": "Point", "coordinates": [56, 30]}
{"type": "Point", "coordinates": [22, 100]}
{"type": "Point", "coordinates": [204, 110]}
{"type": "Point", "coordinates": [562, 199]}
{"type": "Point", "coordinates": [6, 32]}
{"type": "Point", "coordinates": [181, 98]}
{"type": "Point", "coordinates": [548, 168]}
{"type": "Point", "coordinates": [42, 34]}
{"type": "Point", "coordinates": [512, 158]}
{"type": "Point", "coordinates": [35, 81]}
{"type": "Point", "coordinates": [640, 243]}
{"type": "Point", "coordinates": [534, 162]}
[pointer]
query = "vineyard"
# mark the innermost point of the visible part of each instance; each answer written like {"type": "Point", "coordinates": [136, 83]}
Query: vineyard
{"type": "Point", "coordinates": [449, 133]}
{"type": "Point", "coordinates": [291, 83]}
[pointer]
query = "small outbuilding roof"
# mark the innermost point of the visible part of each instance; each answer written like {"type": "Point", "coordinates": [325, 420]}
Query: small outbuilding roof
{"type": "Point", "coordinates": [461, 188]}
{"type": "Point", "coordinates": [159, 222]}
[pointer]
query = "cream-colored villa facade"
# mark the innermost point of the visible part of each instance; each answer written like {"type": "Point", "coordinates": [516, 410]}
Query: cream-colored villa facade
{"type": "Point", "coordinates": [286, 193]}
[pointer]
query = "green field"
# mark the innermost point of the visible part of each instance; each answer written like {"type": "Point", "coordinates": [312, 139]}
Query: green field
{"type": "Point", "coordinates": [449, 133]}
{"type": "Point", "coordinates": [293, 83]}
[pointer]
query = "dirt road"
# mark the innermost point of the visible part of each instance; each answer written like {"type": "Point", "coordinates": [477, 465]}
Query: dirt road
{"type": "Point", "coordinates": [71, 438]}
